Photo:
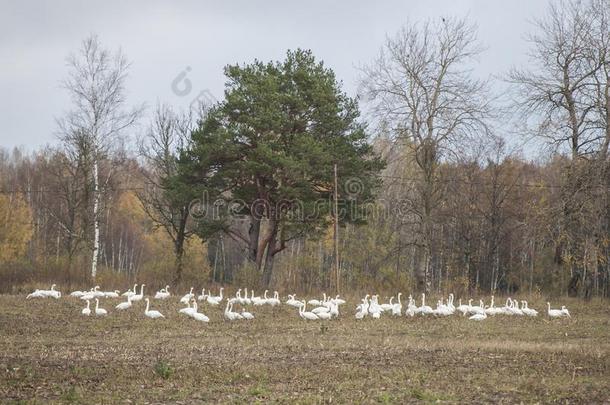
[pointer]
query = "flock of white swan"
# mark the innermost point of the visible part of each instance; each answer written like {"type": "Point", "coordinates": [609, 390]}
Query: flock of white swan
{"type": "Point", "coordinates": [323, 309]}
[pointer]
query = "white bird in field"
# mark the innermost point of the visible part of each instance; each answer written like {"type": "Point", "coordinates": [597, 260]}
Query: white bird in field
{"type": "Point", "coordinates": [198, 316]}
{"type": "Point", "coordinates": [527, 310]}
{"type": "Point", "coordinates": [111, 294]}
{"type": "Point", "coordinates": [152, 314]}
{"type": "Point", "coordinates": [338, 301]}
{"type": "Point", "coordinates": [492, 310]}
{"type": "Point", "coordinates": [246, 315]}
{"type": "Point", "coordinates": [315, 302]}
{"type": "Point", "coordinates": [188, 310]}
{"type": "Point", "coordinates": [214, 300]}
{"type": "Point", "coordinates": [275, 301]}
{"type": "Point", "coordinates": [202, 296]}
{"type": "Point", "coordinates": [387, 307]}
{"type": "Point", "coordinates": [88, 295]}
{"type": "Point", "coordinates": [138, 297]}
{"type": "Point", "coordinates": [565, 311]}
{"type": "Point", "coordinates": [246, 300]}
{"type": "Point", "coordinates": [397, 308]}
{"type": "Point", "coordinates": [555, 313]}
{"type": "Point", "coordinates": [425, 309]}
{"type": "Point", "coordinates": [478, 316]}
{"type": "Point", "coordinates": [375, 309]}
{"type": "Point", "coordinates": [307, 315]}
{"type": "Point", "coordinates": [320, 310]}
{"type": "Point", "coordinates": [187, 297]}
{"type": "Point", "coordinates": [87, 311]}
{"type": "Point", "coordinates": [99, 311]}
{"type": "Point", "coordinates": [411, 307]}
{"type": "Point", "coordinates": [229, 314]}
{"type": "Point", "coordinates": [292, 301]}
{"type": "Point", "coordinates": [77, 294]}
{"type": "Point", "coordinates": [97, 293]}
{"type": "Point", "coordinates": [217, 298]}
{"type": "Point", "coordinates": [463, 308]}
{"type": "Point", "coordinates": [36, 294]}
{"type": "Point", "coordinates": [124, 305]}
{"type": "Point", "coordinates": [261, 301]}
{"type": "Point", "coordinates": [163, 293]}
{"type": "Point", "coordinates": [45, 293]}
{"type": "Point", "coordinates": [129, 292]}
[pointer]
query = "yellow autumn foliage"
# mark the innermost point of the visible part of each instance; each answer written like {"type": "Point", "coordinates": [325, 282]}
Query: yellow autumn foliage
{"type": "Point", "coordinates": [15, 227]}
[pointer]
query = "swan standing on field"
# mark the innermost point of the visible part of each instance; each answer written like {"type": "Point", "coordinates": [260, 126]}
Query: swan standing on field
{"type": "Point", "coordinates": [230, 316]}
{"type": "Point", "coordinates": [565, 311]}
{"type": "Point", "coordinates": [86, 311]}
{"type": "Point", "coordinates": [129, 292]}
{"type": "Point", "coordinates": [163, 293]}
{"type": "Point", "coordinates": [111, 294]}
{"type": "Point", "coordinates": [187, 297]}
{"type": "Point", "coordinates": [214, 300]}
{"type": "Point", "coordinates": [152, 314]}
{"type": "Point", "coordinates": [527, 310]}
{"type": "Point", "coordinates": [425, 309]}
{"type": "Point", "coordinates": [138, 297]}
{"type": "Point", "coordinates": [188, 310]}
{"type": "Point", "coordinates": [275, 301]}
{"type": "Point", "coordinates": [124, 305]}
{"type": "Point", "coordinates": [397, 308]}
{"type": "Point", "coordinates": [198, 316]}
{"type": "Point", "coordinates": [77, 294]}
{"type": "Point", "coordinates": [99, 311]}
{"type": "Point", "coordinates": [555, 313]}
{"type": "Point", "coordinates": [307, 315]}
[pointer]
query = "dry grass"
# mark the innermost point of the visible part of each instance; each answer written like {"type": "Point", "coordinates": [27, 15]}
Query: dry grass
{"type": "Point", "coordinates": [50, 352]}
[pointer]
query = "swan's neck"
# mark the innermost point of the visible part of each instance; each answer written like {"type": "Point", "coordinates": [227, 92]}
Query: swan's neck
{"type": "Point", "coordinates": [147, 305]}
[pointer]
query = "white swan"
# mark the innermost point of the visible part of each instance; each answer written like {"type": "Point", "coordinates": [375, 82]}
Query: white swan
{"type": "Point", "coordinates": [275, 301]}
{"type": "Point", "coordinates": [307, 315]}
{"type": "Point", "coordinates": [99, 311]}
{"type": "Point", "coordinates": [138, 297]}
{"type": "Point", "coordinates": [86, 311]}
{"type": "Point", "coordinates": [425, 309]}
{"type": "Point", "coordinates": [527, 310]}
{"type": "Point", "coordinates": [478, 317]}
{"type": "Point", "coordinates": [187, 297]}
{"type": "Point", "coordinates": [188, 310]}
{"type": "Point", "coordinates": [246, 315]}
{"type": "Point", "coordinates": [152, 314]}
{"type": "Point", "coordinates": [111, 294]}
{"type": "Point", "coordinates": [554, 313]}
{"type": "Point", "coordinates": [124, 305]}
{"type": "Point", "coordinates": [163, 293]}
{"type": "Point", "coordinates": [198, 316]}
{"type": "Point", "coordinates": [229, 315]}
{"type": "Point", "coordinates": [129, 292]}
{"type": "Point", "coordinates": [397, 308]}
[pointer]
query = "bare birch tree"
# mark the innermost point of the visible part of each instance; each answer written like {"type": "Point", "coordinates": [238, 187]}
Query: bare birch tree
{"type": "Point", "coordinates": [96, 84]}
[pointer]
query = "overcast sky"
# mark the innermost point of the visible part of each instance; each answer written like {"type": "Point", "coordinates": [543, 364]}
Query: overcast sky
{"type": "Point", "coordinates": [163, 38]}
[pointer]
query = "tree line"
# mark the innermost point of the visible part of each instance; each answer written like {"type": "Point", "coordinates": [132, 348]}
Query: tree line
{"type": "Point", "coordinates": [429, 195]}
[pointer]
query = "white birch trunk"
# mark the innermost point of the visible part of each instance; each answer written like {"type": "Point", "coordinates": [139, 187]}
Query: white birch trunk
{"type": "Point", "coordinates": [96, 222]}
